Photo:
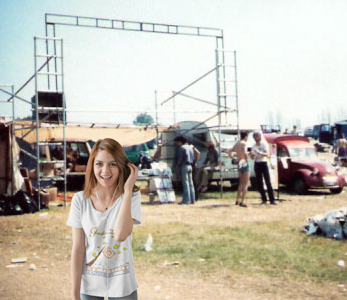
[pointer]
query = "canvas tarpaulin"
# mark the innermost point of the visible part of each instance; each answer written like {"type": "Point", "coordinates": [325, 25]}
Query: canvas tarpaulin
{"type": "Point", "coordinates": [125, 135]}
{"type": "Point", "coordinates": [9, 162]}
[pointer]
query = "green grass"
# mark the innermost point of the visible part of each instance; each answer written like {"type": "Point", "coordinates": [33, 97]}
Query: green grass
{"type": "Point", "coordinates": [262, 248]}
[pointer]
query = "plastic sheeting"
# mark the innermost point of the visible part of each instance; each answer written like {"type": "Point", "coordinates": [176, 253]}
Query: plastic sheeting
{"type": "Point", "coordinates": [18, 180]}
{"type": "Point", "coordinates": [332, 224]}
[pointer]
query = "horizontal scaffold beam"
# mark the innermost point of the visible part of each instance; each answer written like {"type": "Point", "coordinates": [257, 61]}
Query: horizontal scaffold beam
{"type": "Point", "coordinates": [70, 20]}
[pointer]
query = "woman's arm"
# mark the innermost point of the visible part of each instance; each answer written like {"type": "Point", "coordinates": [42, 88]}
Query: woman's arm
{"type": "Point", "coordinates": [77, 260]}
{"type": "Point", "coordinates": [123, 225]}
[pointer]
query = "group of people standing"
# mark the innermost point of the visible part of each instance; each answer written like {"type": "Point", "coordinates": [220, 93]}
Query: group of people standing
{"type": "Point", "coordinates": [188, 155]}
{"type": "Point", "coordinates": [260, 154]}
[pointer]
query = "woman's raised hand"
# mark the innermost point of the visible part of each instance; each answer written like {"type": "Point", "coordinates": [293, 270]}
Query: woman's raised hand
{"type": "Point", "coordinates": [129, 184]}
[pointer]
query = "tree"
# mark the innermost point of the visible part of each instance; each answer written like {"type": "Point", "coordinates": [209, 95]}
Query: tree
{"type": "Point", "coordinates": [143, 119]}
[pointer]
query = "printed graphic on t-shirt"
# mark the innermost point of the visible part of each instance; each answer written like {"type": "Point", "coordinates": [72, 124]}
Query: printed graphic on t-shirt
{"type": "Point", "coordinates": [109, 261]}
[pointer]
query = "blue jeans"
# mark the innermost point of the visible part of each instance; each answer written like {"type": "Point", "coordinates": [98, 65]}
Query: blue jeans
{"type": "Point", "coordinates": [187, 183]}
{"type": "Point", "coordinates": [132, 296]}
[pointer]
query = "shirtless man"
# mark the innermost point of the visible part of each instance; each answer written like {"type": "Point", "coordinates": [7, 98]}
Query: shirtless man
{"type": "Point", "coordinates": [240, 149]}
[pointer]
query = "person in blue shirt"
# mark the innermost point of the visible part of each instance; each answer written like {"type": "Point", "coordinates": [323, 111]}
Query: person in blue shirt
{"type": "Point", "coordinates": [184, 161]}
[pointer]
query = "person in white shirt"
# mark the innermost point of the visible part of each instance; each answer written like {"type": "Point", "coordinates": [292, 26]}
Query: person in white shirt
{"type": "Point", "coordinates": [102, 217]}
{"type": "Point", "coordinates": [260, 154]}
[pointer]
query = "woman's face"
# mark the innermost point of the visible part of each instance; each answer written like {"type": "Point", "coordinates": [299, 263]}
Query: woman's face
{"type": "Point", "coordinates": [106, 170]}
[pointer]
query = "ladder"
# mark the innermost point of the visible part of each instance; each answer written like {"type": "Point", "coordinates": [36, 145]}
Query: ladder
{"type": "Point", "coordinates": [49, 106]}
{"type": "Point", "coordinates": [227, 94]}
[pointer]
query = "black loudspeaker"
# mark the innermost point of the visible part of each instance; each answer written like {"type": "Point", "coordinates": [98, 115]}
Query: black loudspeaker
{"type": "Point", "coordinates": [49, 99]}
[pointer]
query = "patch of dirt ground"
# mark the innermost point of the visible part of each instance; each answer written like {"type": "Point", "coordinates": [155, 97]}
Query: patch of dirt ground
{"type": "Point", "coordinates": [46, 242]}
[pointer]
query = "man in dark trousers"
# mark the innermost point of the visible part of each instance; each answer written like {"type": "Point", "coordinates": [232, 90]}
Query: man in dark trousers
{"type": "Point", "coordinates": [260, 153]}
{"type": "Point", "coordinates": [184, 161]}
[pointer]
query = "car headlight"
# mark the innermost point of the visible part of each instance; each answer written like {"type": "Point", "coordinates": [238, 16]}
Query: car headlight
{"type": "Point", "coordinates": [329, 180]}
{"type": "Point", "coordinates": [315, 172]}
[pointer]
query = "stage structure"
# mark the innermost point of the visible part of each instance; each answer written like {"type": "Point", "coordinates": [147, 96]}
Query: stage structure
{"type": "Point", "coordinates": [226, 87]}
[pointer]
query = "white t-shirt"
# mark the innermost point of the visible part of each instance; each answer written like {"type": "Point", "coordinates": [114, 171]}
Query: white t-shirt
{"type": "Point", "coordinates": [104, 255]}
{"type": "Point", "coordinates": [263, 147]}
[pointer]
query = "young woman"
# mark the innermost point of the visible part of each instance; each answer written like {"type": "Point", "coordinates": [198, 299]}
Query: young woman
{"type": "Point", "coordinates": [102, 218]}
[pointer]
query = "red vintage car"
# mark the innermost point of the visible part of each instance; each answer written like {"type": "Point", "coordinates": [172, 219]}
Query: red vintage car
{"type": "Point", "coordinates": [300, 168]}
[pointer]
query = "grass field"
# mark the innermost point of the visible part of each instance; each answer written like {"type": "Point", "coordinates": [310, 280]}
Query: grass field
{"type": "Point", "coordinates": [223, 251]}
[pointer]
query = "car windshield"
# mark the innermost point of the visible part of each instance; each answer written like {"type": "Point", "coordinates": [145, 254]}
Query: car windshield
{"type": "Point", "coordinates": [307, 153]}
{"type": "Point", "coordinates": [325, 127]}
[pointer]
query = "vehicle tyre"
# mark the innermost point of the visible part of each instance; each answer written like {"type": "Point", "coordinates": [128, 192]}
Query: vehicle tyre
{"type": "Point", "coordinates": [336, 190]}
{"type": "Point", "coordinates": [299, 186]}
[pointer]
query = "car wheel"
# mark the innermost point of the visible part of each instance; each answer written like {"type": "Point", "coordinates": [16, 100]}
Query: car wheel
{"type": "Point", "coordinates": [299, 186]}
{"type": "Point", "coordinates": [336, 190]}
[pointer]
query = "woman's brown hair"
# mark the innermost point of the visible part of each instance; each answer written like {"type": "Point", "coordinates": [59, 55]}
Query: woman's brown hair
{"type": "Point", "coordinates": [117, 151]}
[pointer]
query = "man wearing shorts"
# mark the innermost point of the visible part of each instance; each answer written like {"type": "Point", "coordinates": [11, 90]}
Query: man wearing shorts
{"type": "Point", "coordinates": [240, 149]}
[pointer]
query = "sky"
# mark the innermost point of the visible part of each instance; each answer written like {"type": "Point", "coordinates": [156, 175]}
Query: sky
{"type": "Point", "coordinates": [291, 58]}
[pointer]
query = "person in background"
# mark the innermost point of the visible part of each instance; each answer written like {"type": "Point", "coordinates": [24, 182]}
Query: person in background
{"type": "Point", "coordinates": [342, 151]}
{"type": "Point", "coordinates": [184, 163]}
{"type": "Point", "coordinates": [240, 149]}
{"type": "Point", "coordinates": [197, 155]}
{"type": "Point", "coordinates": [334, 136]}
{"type": "Point", "coordinates": [144, 162]}
{"type": "Point", "coordinates": [260, 154]}
{"type": "Point", "coordinates": [157, 154]}
{"type": "Point", "coordinates": [294, 131]}
{"type": "Point", "coordinates": [71, 158]}
{"type": "Point", "coordinates": [210, 163]}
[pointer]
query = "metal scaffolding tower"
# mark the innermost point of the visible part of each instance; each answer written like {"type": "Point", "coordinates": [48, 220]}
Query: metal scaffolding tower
{"type": "Point", "coordinates": [49, 103]}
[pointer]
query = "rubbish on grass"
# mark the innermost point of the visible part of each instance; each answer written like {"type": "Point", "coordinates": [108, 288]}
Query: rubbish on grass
{"type": "Point", "coordinates": [19, 260]}
{"type": "Point", "coordinates": [332, 224]}
{"type": "Point", "coordinates": [157, 288]}
{"type": "Point", "coordinates": [167, 264]}
{"type": "Point", "coordinates": [148, 246]}
{"type": "Point", "coordinates": [14, 266]}
{"type": "Point", "coordinates": [341, 263]}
